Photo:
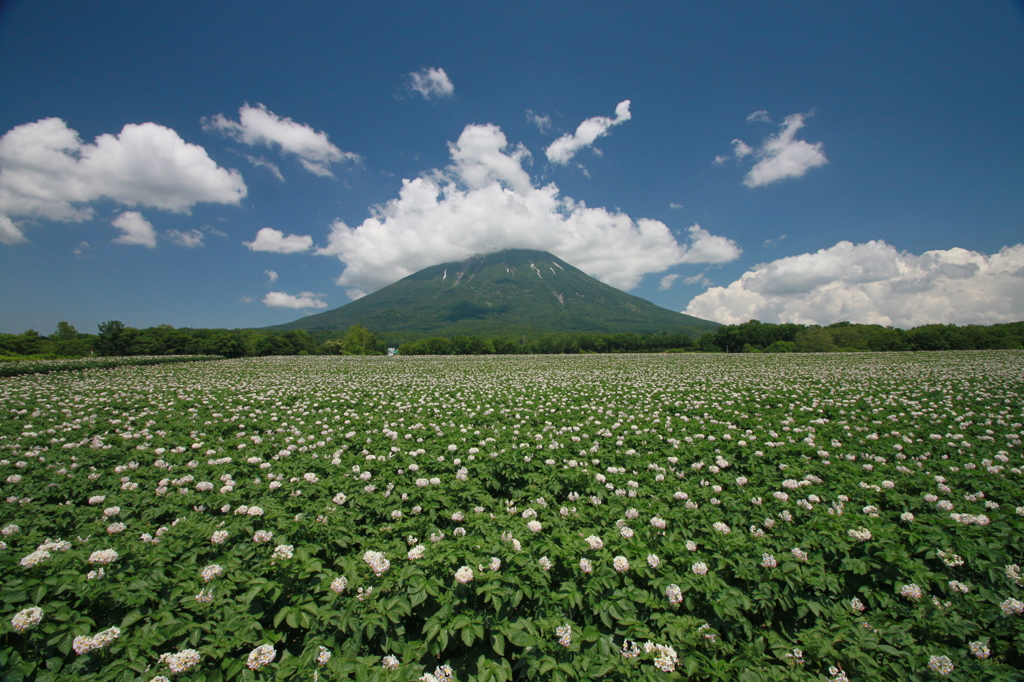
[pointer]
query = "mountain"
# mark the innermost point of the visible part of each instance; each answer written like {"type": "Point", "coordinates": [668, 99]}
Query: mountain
{"type": "Point", "coordinates": [499, 294]}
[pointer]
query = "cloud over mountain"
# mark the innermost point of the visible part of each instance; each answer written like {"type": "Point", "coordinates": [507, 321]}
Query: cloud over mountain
{"type": "Point", "coordinates": [486, 201]}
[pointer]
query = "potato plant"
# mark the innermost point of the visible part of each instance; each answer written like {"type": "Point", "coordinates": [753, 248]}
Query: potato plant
{"type": "Point", "coordinates": [643, 517]}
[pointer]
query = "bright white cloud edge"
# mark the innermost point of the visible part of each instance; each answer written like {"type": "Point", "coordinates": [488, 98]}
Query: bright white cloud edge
{"type": "Point", "coordinates": [305, 299]}
{"type": "Point", "coordinates": [873, 283]}
{"type": "Point", "coordinates": [484, 202]}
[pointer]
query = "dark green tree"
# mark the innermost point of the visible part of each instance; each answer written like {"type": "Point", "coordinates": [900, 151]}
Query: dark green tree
{"type": "Point", "coordinates": [112, 339]}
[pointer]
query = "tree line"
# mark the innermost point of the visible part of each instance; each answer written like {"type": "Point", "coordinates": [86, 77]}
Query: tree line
{"type": "Point", "coordinates": [764, 337]}
{"type": "Point", "coordinates": [116, 339]}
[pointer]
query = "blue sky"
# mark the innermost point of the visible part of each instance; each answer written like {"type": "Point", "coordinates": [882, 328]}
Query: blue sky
{"type": "Point", "coordinates": [205, 165]}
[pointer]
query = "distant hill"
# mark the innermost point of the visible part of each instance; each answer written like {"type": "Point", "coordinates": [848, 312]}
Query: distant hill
{"type": "Point", "coordinates": [499, 294]}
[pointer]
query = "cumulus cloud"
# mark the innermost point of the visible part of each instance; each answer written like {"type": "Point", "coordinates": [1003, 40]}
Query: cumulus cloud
{"type": "Point", "coordinates": [431, 82]}
{"type": "Point", "coordinates": [667, 281]}
{"type": "Point", "coordinates": [271, 276]}
{"type": "Point", "coordinates": [47, 171]}
{"type": "Point", "coordinates": [274, 241]}
{"type": "Point", "coordinates": [259, 126]}
{"type": "Point", "coordinates": [781, 156]}
{"type": "Point", "coordinates": [485, 201]}
{"type": "Point", "coordinates": [873, 283]}
{"type": "Point", "coordinates": [543, 123]}
{"type": "Point", "coordinates": [305, 299]}
{"type": "Point", "coordinates": [564, 148]}
{"type": "Point", "coordinates": [135, 230]}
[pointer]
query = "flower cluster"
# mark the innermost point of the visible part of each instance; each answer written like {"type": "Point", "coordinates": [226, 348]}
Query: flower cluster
{"type": "Point", "coordinates": [1012, 607]}
{"type": "Point", "coordinates": [911, 591]}
{"type": "Point", "coordinates": [181, 661]}
{"type": "Point", "coordinates": [941, 665]}
{"type": "Point", "coordinates": [84, 643]}
{"type": "Point", "coordinates": [376, 561]}
{"type": "Point", "coordinates": [861, 534]}
{"type": "Point", "coordinates": [674, 594]}
{"type": "Point", "coordinates": [103, 556]}
{"type": "Point", "coordinates": [212, 571]}
{"type": "Point", "coordinates": [464, 575]}
{"type": "Point", "coordinates": [261, 656]}
{"type": "Point", "coordinates": [564, 633]}
{"type": "Point", "coordinates": [666, 657]}
{"type": "Point", "coordinates": [27, 619]}
{"type": "Point", "coordinates": [282, 552]}
{"type": "Point", "coordinates": [621, 564]}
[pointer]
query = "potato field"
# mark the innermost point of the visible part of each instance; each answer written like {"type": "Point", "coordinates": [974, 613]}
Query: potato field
{"type": "Point", "coordinates": [623, 517]}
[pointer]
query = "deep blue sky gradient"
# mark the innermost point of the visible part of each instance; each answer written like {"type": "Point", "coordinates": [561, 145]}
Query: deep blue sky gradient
{"type": "Point", "coordinates": [918, 104]}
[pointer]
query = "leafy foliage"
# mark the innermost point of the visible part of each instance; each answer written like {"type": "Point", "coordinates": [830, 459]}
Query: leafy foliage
{"type": "Point", "coordinates": [764, 517]}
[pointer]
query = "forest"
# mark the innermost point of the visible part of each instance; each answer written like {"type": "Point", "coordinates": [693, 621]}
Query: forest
{"type": "Point", "coordinates": [113, 338]}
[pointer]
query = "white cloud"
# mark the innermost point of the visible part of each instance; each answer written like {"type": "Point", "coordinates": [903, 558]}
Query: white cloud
{"type": "Point", "coordinates": [135, 230]}
{"type": "Point", "coordinates": [261, 162]}
{"type": "Point", "coordinates": [740, 149]}
{"type": "Point", "coordinates": [873, 283]}
{"type": "Point", "coordinates": [773, 242]}
{"type": "Point", "coordinates": [9, 232]}
{"type": "Point", "coordinates": [259, 126]}
{"type": "Point", "coordinates": [484, 202]}
{"type": "Point", "coordinates": [781, 156]}
{"type": "Point", "coordinates": [675, 205]}
{"type": "Point", "coordinates": [759, 115]}
{"type": "Point", "coordinates": [700, 279]}
{"type": "Point", "coordinates": [708, 248]}
{"type": "Point", "coordinates": [271, 276]}
{"type": "Point", "coordinates": [667, 281]}
{"type": "Point", "coordinates": [82, 250]}
{"type": "Point", "coordinates": [431, 82]}
{"type": "Point", "coordinates": [564, 148]}
{"type": "Point", "coordinates": [543, 123]}
{"type": "Point", "coordinates": [189, 238]}
{"type": "Point", "coordinates": [305, 299]}
{"type": "Point", "coordinates": [274, 241]}
{"type": "Point", "coordinates": [46, 171]}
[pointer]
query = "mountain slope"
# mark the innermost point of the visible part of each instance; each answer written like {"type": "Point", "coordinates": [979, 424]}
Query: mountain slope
{"type": "Point", "coordinates": [508, 292]}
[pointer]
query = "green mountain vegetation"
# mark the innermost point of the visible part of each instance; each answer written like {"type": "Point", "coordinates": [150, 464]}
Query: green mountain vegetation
{"type": "Point", "coordinates": [504, 294]}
